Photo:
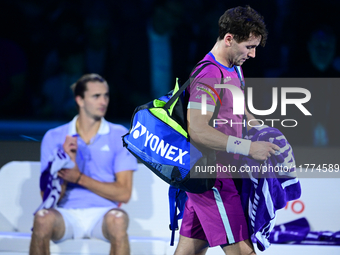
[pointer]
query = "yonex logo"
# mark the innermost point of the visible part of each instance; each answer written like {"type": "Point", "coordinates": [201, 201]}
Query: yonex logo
{"type": "Point", "coordinates": [237, 142]}
{"type": "Point", "coordinates": [136, 133]}
{"type": "Point", "coordinates": [158, 145]}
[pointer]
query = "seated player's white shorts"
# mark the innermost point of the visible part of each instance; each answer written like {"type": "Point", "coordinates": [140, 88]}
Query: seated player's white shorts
{"type": "Point", "coordinates": [83, 223]}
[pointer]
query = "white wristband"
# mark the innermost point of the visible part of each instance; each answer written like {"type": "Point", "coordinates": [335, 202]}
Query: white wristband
{"type": "Point", "coordinates": [238, 146]}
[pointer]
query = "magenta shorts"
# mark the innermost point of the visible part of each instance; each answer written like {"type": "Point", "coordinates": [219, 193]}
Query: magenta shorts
{"type": "Point", "coordinates": [215, 215]}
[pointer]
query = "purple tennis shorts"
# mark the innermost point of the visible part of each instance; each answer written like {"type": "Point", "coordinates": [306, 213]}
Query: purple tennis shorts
{"type": "Point", "coordinates": [215, 215]}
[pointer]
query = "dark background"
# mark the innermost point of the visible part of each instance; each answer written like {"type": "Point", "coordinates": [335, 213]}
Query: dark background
{"type": "Point", "coordinates": [46, 45]}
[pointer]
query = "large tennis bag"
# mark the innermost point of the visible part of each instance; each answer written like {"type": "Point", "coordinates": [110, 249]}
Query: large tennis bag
{"type": "Point", "coordinates": [158, 138]}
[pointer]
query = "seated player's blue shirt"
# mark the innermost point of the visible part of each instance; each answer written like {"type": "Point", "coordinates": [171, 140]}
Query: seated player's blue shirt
{"type": "Point", "coordinates": [101, 159]}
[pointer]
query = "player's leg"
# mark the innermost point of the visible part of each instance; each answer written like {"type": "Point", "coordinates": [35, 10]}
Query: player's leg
{"type": "Point", "coordinates": [191, 246]}
{"type": "Point", "coordinates": [220, 214]}
{"type": "Point", "coordinates": [192, 238]}
{"type": "Point", "coordinates": [48, 224]}
{"type": "Point", "coordinates": [241, 248]}
{"type": "Point", "coordinates": [114, 227]}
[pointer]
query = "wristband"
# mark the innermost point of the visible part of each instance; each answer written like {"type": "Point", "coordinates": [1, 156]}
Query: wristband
{"type": "Point", "coordinates": [238, 146]}
{"type": "Point", "coordinates": [78, 178]}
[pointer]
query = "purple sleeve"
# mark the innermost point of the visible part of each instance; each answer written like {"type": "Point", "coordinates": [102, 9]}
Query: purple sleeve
{"type": "Point", "coordinates": [204, 83]}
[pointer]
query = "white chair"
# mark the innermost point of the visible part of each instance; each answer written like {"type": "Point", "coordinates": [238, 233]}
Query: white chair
{"type": "Point", "coordinates": [148, 211]}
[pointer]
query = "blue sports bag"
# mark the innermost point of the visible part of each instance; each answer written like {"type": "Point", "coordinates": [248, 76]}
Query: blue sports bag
{"type": "Point", "coordinates": [158, 138]}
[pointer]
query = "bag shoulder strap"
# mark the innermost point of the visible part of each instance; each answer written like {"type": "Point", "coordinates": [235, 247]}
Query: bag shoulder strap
{"type": "Point", "coordinates": [177, 199]}
{"type": "Point", "coordinates": [187, 83]}
{"type": "Point", "coordinates": [238, 71]}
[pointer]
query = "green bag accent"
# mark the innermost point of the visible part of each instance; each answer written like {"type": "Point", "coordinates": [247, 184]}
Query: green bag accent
{"type": "Point", "coordinates": [174, 92]}
{"type": "Point", "coordinates": [162, 115]}
{"type": "Point", "coordinates": [160, 103]}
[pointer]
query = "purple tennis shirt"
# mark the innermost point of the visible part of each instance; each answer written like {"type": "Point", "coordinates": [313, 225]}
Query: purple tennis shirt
{"type": "Point", "coordinates": [101, 159]}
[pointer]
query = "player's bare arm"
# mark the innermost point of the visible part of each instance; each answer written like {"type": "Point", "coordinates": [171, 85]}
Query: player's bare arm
{"type": "Point", "coordinates": [202, 133]}
{"type": "Point", "coordinates": [119, 191]}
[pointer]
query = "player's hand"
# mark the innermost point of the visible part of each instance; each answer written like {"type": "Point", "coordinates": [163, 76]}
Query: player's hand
{"type": "Point", "coordinates": [262, 150]}
{"type": "Point", "coordinates": [70, 146]}
{"type": "Point", "coordinates": [69, 175]}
